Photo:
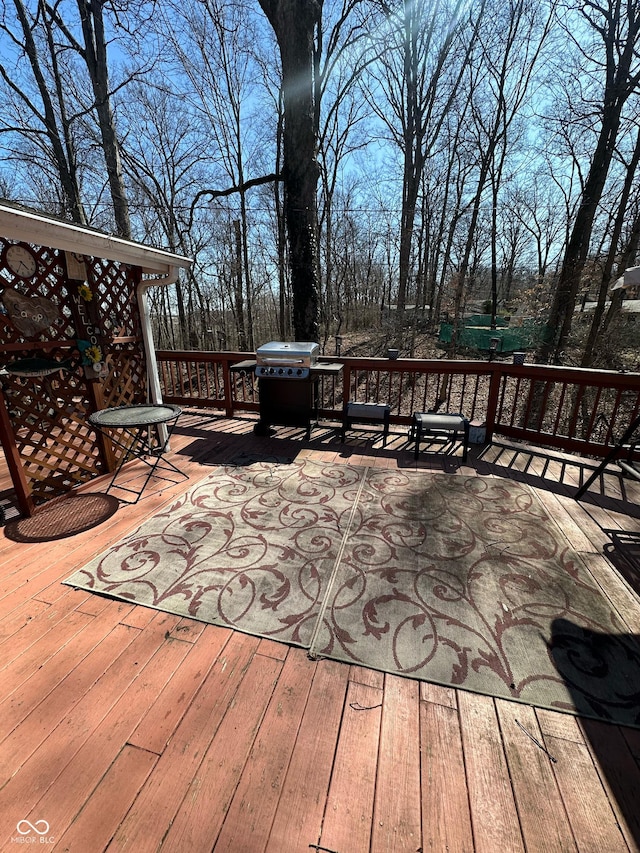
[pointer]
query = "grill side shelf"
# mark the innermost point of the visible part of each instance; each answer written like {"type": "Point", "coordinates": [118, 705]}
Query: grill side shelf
{"type": "Point", "coordinates": [243, 366]}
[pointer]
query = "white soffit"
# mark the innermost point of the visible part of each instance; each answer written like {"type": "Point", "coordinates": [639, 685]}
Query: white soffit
{"type": "Point", "coordinates": [30, 227]}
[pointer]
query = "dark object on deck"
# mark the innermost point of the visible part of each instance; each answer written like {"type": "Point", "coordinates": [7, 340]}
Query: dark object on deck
{"type": "Point", "coordinates": [288, 392]}
{"type": "Point", "coordinates": [367, 413]}
{"type": "Point", "coordinates": [438, 425]}
{"type": "Point", "coordinates": [630, 465]}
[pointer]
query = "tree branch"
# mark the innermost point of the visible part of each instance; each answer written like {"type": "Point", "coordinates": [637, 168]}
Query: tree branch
{"type": "Point", "coordinates": [254, 182]}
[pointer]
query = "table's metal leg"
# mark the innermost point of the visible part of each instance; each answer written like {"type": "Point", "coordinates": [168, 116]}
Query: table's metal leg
{"type": "Point", "coordinates": [140, 449]}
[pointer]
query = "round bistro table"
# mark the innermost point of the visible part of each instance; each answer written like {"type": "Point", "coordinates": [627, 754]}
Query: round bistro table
{"type": "Point", "coordinates": [137, 430]}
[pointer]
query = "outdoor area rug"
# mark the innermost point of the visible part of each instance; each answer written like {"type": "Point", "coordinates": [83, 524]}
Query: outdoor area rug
{"type": "Point", "coordinates": [462, 581]}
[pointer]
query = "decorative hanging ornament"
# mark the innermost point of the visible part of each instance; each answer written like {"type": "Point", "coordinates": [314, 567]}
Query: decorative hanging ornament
{"type": "Point", "coordinates": [76, 266]}
{"type": "Point", "coordinates": [91, 353]}
{"type": "Point", "coordinates": [30, 315]}
{"type": "Point", "coordinates": [21, 260]}
{"type": "Point", "coordinates": [38, 366]}
{"type": "Point", "coordinates": [85, 292]}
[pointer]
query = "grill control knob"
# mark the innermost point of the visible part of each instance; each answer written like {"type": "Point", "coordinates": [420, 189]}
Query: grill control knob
{"type": "Point", "coordinates": [299, 371]}
{"type": "Point", "coordinates": [290, 371]}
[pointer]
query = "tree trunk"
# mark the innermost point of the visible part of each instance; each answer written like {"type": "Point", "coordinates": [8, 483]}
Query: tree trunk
{"type": "Point", "coordinates": [239, 292]}
{"type": "Point", "coordinates": [61, 146]}
{"type": "Point", "coordinates": [575, 256]}
{"type": "Point", "coordinates": [281, 236]}
{"type": "Point", "coordinates": [295, 23]}
{"type": "Point", "coordinates": [619, 85]}
{"type": "Point", "coordinates": [589, 353]}
{"type": "Point", "coordinates": [95, 55]}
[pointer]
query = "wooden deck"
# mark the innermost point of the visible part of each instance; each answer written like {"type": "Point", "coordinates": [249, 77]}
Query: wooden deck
{"type": "Point", "coordinates": [122, 728]}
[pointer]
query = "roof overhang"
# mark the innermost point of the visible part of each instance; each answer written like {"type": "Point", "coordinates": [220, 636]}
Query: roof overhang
{"type": "Point", "coordinates": [629, 278]}
{"type": "Point", "coordinates": [28, 226]}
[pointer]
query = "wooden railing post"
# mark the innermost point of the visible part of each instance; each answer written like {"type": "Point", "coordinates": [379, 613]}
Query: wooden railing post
{"type": "Point", "coordinates": [228, 390]}
{"type": "Point", "coordinates": [346, 386]}
{"type": "Point", "coordinates": [492, 400]}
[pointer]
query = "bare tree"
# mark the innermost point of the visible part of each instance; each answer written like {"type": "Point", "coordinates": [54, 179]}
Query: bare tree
{"type": "Point", "coordinates": [418, 80]}
{"type": "Point", "coordinates": [214, 43]}
{"type": "Point", "coordinates": [94, 53]}
{"type": "Point", "coordinates": [165, 160]}
{"type": "Point", "coordinates": [341, 57]}
{"type": "Point", "coordinates": [295, 25]}
{"type": "Point", "coordinates": [612, 256]}
{"type": "Point", "coordinates": [49, 119]}
{"type": "Point", "coordinates": [510, 48]}
{"type": "Point", "coordinates": [536, 207]}
{"type": "Point", "coordinates": [69, 107]}
{"type": "Point", "coordinates": [615, 27]}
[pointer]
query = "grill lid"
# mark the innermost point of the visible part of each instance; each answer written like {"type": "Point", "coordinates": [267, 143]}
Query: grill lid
{"type": "Point", "coordinates": [286, 360]}
{"type": "Point", "coordinates": [288, 354]}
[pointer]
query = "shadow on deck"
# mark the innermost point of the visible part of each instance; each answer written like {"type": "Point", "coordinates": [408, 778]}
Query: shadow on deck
{"type": "Point", "coordinates": [123, 728]}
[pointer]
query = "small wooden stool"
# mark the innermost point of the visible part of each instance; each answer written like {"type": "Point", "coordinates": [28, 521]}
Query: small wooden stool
{"type": "Point", "coordinates": [367, 413]}
{"type": "Point", "coordinates": [434, 424]}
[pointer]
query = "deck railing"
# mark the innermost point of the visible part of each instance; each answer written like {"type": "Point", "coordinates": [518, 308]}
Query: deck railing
{"type": "Point", "coordinates": [572, 409]}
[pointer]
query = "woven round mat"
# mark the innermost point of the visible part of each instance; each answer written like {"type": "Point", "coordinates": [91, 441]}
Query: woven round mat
{"type": "Point", "coordinates": [65, 517]}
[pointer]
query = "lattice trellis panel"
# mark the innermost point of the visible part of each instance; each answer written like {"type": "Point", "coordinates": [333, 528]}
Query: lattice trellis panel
{"type": "Point", "coordinates": [118, 308]}
{"type": "Point", "coordinates": [49, 414]}
{"type": "Point", "coordinates": [57, 448]}
{"type": "Point", "coordinates": [126, 379]}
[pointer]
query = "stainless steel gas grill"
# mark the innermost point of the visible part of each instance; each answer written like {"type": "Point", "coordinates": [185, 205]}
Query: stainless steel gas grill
{"type": "Point", "coordinates": [288, 376]}
{"type": "Point", "coordinates": [282, 360]}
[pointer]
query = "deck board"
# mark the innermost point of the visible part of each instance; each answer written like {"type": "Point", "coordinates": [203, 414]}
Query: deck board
{"type": "Point", "coordinates": [51, 675]}
{"type": "Point", "coordinates": [159, 800]}
{"type": "Point", "coordinates": [118, 787]}
{"type": "Point", "coordinates": [534, 785]}
{"type": "Point", "coordinates": [298, 818]}
{"type": "Point", "coordinates": [82, 777]}
{"type": "Point", "coordinates": [396, 813]}
{"type": "Point", "coordinates": [251, 812]}
{"type": "Point", "coordinates": [446, 818]}
{"type": "Point", "coordinates": [185, 667]}
{"type": "Point", "coordinates": [58, 726]}
{"type": "Point", "coordinates": [207, 800]}
{"type": "Point", "coordinates": [587, 804]}
{"type": "Point", "coordinates": [128, 729]}
{"type": "Point", "coordinates": [494, 814]}
{"type": "Point", "coordinates": [42, 621]}
{"type": "Point", "coordinates": [347, 822]}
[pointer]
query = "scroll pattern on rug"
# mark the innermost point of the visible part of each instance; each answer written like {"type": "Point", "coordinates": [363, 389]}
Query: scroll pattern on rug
{"type": "Point", "coordinates": [467, 582]}
{"type": "Point", "coordinates": [462, 581]}
{"type": "Point", "coordinates": [251, 547]}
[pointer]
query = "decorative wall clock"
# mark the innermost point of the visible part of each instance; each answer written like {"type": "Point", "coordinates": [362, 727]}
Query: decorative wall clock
{"type": "Point", "coordinates": [20, 260]}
